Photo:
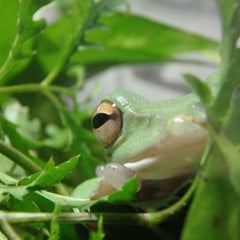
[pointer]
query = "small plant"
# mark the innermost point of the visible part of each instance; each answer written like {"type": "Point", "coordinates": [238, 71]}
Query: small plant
{"type": "Point", "coordinates": [48, 153]}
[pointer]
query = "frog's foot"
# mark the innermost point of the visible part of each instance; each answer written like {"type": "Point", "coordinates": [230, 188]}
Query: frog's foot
{"type": "Point", "coordinates": [112, 177]}
{"type": "Point", "coordinates": [103, 189]}
{"type": "Point", "coordinates": [114, 174]}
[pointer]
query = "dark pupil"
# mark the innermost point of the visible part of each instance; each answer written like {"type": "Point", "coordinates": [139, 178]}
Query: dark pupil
{"type": "Point", "coordinates": [99, 119]}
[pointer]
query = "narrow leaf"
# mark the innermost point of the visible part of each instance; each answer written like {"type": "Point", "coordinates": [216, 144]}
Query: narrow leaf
{"type": "Point", "coordinates": [201, 88]}
{"type": "Point", "coordinates": [53, 175]}
{"type": "Point", "coordinates": [215, 210]}
{"type": "Point", "coordinates": [54, 227]}
{"type": "Point", "coordinates": [126, 193]}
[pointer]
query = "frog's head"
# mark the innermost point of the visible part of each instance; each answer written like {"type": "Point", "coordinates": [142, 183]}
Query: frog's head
{"type": "Point", "coordinates": [125, 123]}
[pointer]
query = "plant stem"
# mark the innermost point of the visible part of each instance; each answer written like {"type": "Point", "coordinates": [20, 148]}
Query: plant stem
{"type": "Point", "coordinates": [160, 216]}
{"type": "Point", "coordinates": [8, 230]}
{"type": "Point", "coordinates": [2, 236]}
{"type": "Point", "coordinates": [24, 217]}
{"type": "Point", "coordinates": [19, 158]}
{"type": "Point", "coordinates": [139, 219]}
{"type": "Point", "coordinates": [32, 88]}
{"type": "Point", "coordinates": [71, 46]}
{"type": "Point", "coordinates": [229, 67]}
{"type": "Point", "coordinates": [8, 63]}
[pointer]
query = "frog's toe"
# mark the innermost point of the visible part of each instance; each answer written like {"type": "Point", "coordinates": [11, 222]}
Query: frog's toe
{"type": "Point", "coordinates": [116, 174]}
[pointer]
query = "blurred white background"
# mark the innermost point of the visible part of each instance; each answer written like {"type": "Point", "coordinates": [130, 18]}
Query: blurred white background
{"type": "Point", "coordinates": [158, 81]}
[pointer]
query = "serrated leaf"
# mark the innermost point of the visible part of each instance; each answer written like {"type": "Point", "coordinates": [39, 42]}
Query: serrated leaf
{"type": "Point", "coordinates": [27, 27]}
{"type": "Point", "coordinates": [86, 189]}
{"type": "Point", "coordinates": [125, 41]}
{"type": "Point", "coordinates": [126, 193]}
{"type": "Point", "coordinates": [81, 199]}
{"type": "Point", "coordinates": [17, 47]}
{"type": "Point", "coordinates": [5, 179]}
{"type": "Point", "coordinates": [22, 145]}
{"type": "Point", "coordinates": [200, 87]}
{"type": "Point", "coordinates": [16, 191]}
{"type": "Point", "coordinates": [52, 175]}
{"type": "Point", "coordinates": [29, 179]}
{"type": "Point", "coordinates": [67, 201]}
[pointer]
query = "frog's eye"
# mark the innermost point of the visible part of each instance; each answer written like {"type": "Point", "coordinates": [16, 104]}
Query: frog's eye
{"type": "Point", "coordinates": [107, 123]}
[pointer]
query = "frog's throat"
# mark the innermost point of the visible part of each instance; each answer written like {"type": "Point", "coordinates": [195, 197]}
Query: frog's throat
{"type": "Point", "coordinates": [168, 165]}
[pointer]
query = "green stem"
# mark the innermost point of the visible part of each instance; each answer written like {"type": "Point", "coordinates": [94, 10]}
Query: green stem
{"type": "Point", "coordinates": [8, 230]}
{"type": "Point", "coordinates": [8, 63]}
{"type": "Point", "coordinates": [19, 158]}
{"type": "Point", "coordinates": [229, 67]}
{"type": "Point", "coordinates": [73, 43]}
{"type": "Point", "coordinates": [2, 236]}
{"type": "Point", "coordinates": [139, 219]}
{"type": "Point", "coordinates": [31, 87]}
{"type": "Point", "coordinates": [54, 73]}
{"type": "Point", "coordinates": [160, 216]}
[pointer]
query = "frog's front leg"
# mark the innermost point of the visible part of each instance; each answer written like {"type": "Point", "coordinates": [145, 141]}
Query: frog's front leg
{"type": "Point", "coordinates": [112, 176]}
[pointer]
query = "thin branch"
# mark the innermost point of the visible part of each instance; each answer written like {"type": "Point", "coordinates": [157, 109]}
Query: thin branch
{"type": "Point", "coordinates": [8, 230]}
{"type": "Point", "coordinates": [24, 88]}
{"type": "Point", "coordinates": [8, 63]}
{"type": "Point", "coordinates": [139, 219]}
{"type": "Point", "coordinates": [18, 157]}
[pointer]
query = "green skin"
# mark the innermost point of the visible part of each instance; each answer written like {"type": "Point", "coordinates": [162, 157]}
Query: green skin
{"type": "Point", "coordinates": [157, 138]}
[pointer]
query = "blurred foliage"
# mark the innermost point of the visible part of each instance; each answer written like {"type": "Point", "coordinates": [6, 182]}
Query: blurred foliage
{"type": "Point", "coordinates": [47, 148]}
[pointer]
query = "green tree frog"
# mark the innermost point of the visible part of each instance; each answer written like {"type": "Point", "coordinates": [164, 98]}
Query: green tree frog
{"type": "Point", "coordinates": [152, 140]}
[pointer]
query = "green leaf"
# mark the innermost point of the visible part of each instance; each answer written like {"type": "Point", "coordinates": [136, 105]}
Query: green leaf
{"type": "Point", "coordinates": [130, 38]}
{"type": "Point", "coordinates": [26, 204]}
{"type": "Point", "coordinates": [81, 195]}
{"type": "Point", "coordinates": [229, 142]}
{"type": "Point", "coordinates": [16, 191]}
{"type": "Point", "coordinates": [67, 201]}
{"type": "Point", "coordinates": [23, 28]}
{"type": "Point", "coordinates": [8, 12]}
{"type": "Point", "coordinates": [5, 179]}
{"type": "Point", "coordinates": [52, 175]}
{"type": "Point", "coordinates": [27, 27]}
{"type": "Point", "coordinates": [86, 189]}
{"type": "Point", "coordinates": [61, 39]}
{"type": "Point", "coordinates": [201, 88]}
{"type": "Point", "coordinates": [99, 235]}
{"type": "Point", "coordinates": [231, 155]}
{"type": "Point", "coordinates": [54, 227]}
{"type": "Point", "coordinates": [80, 136]}
{"type": "Point", "coordinates": [229, 71]}
{"type": "Point", "coordinates": [215, 211]}
{"type": "Point", "coordinates": [231, 126]}
{"type": "Point", "coordinates": [126, 193]}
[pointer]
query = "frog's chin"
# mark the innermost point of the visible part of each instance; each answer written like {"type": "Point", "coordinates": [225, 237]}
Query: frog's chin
{"type": "Point", "coordinates": [155, 168]}
{"type": "Point", "coordinates": [170, 163]}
